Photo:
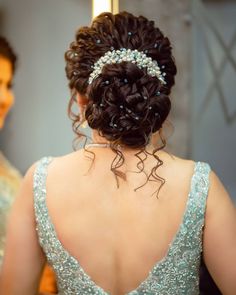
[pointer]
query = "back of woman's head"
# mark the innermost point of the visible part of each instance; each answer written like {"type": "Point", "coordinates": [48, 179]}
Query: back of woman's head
{"type": "Point", "coordinates": [7, 52]}
{"type": "Point", "coordinates": [125, 103]}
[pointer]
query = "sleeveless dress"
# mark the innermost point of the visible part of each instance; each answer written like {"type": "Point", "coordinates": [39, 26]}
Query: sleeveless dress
{"type": "Point", "coordinates": [10, 180]}
{"type": "Point", "coordinates": [175, 274]}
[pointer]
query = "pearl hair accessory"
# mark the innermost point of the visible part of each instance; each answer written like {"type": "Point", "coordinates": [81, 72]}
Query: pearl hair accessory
{"type": "Point", "coordinates": [134, 56]}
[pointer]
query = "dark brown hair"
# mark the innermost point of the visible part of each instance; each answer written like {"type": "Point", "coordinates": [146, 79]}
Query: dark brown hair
{"type": "Point", "coordinates": [125, 104]}
{"type": "Point", "coordinates": [7, 52]}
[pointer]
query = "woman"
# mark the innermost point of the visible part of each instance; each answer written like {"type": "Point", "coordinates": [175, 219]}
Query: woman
{"type": "Point", "coordinates": [121, 216]}
{"type": "Point", "coordinates": [10, 178]}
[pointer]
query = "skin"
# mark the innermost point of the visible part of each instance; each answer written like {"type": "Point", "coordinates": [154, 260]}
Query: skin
{"type": "Point", "coordinates": [6, 95]}
{"type": "Point", "coordinates": [118, 231]}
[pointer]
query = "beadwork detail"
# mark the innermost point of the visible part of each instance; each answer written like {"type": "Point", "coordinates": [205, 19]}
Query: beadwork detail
{"type": "Point", "coordinates": [134, 56]}
{"type": "Point", "coordinates": [176, 274]}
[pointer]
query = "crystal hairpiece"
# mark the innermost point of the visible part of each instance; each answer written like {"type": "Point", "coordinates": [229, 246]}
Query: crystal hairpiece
{"type": "Point", "coordinates": [134, 56]}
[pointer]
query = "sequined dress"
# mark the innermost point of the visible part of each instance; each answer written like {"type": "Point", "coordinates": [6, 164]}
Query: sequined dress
{"type": "Point", "coordinates": [10, 180]}
{"type": "Point", "coordinates": [176, 274]}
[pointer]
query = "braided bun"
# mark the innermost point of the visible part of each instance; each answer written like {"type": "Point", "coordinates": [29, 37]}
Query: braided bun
{"type": "Point", "coordinates": [125, 103]}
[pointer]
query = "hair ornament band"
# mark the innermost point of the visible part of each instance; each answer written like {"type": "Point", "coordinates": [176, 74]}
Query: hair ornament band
{"type": "Point", "coordinates": [134, 56]}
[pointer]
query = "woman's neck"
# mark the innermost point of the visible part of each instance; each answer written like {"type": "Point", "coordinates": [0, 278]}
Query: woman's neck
{"type": "Point", "coordinates": [97, 139]}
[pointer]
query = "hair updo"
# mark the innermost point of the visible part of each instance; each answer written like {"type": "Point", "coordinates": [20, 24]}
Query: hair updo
{"type": "Point", "coordinates": [125, 104]}
{"type": "Point", "coordinates": [7, 52]}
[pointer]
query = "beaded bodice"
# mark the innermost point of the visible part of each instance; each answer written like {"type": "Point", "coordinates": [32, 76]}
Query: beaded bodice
{"type": "Point", "coordinates": [177, 273]}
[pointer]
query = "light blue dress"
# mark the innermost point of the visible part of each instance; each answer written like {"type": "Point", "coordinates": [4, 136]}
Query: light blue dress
{"type": "Point", "coordinates": [176, 274]}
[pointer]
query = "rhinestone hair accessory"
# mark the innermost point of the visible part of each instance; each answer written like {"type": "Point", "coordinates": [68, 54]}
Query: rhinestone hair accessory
{"type": "Point", "coordinates": [134, 56]}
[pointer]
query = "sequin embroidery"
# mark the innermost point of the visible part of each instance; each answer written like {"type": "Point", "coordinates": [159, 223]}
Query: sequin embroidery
{"type": "Point", "coordinates": [177, 273]}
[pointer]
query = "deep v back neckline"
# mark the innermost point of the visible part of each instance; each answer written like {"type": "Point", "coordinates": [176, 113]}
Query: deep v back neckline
{"type": "Point", "coordinates": [157, 264]}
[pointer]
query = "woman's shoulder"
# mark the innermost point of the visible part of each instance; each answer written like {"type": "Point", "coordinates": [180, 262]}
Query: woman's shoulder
{"type": "Point", "coordinates": [51, 160]}
{"type": "Point", "coordinates": [57, 166]}
{"type": "Point", "coordinates": [181, 164]}
{"type": "Point", "coordinates": [44, 163]}
{"type": "Point", "coordinates": [182, 161]}
{"type": "Point", "coordinates": [177, 165]}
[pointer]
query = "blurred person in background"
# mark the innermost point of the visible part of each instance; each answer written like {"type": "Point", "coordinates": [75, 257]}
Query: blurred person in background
{"type": "Point", "coordinates": [10, 177]}
{"type": "Point", "coordinates": [121, 216]}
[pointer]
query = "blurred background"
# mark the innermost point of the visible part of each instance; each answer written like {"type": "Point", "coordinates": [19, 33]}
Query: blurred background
{"type": "Point", "coordinates": [203, 34]}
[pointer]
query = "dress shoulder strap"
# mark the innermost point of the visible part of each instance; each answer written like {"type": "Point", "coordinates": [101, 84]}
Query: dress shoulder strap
{"type": "Point", "coordinates": [189, 235]}
{"type": "Point", "coordinates": [39, 181]}
{"type": "Point", "coordinates": [40, 207]}
{"type": "Point", "coordinates": [194, 216]}
{"type": "Point", "coordinates": [199, 190]}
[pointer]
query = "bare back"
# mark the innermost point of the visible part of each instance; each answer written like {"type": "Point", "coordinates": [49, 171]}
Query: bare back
{"type": "Point", "coordinates": [112, 231]}
{"type": "Point", "coordinates": [108, 241]}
